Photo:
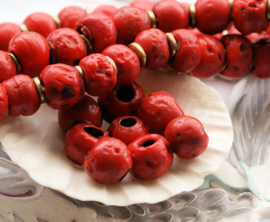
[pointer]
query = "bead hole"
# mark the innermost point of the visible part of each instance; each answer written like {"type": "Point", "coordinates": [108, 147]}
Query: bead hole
{"type": "Point", "coordinates": [128, 122]}
{"type": "Point", "coordinates": [125, 93]}
{"type": "Point", "coordinates": [93, 131]}
{"type": "Point", "coordinates": [148, 143]}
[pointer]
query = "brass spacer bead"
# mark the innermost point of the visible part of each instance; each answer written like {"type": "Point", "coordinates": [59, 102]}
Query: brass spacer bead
{"type": "Point", "coordinates": [173, 46]}
{"type": "Point", "coordinates": [112, 63]}
{"type": "Point", "coordinates": [24, 28]}
{"type": "Point", "coordinates": [57, 22]}
{"type": "Point", "coordinates": [89, 10]}
{"type": "Point", "coordinates": [152, 18]}
{"type": "Point", "coordinates": [138, 50]}
{"type": "Point", "coordinates": [16, 62]}
{"type": "Point", "coordinates": [225, 32]}
{"type": "Point", "coordinates": [268, 10]}
{"type": "Point", "coordinates": [39, 89]}
{"type": "Point", "coordinates": [192, 16]}
{"type": "Point", "coordinates": [88, 44]}
{"type": "Point", "coordinates": [231, 7]}
{"type": "Point", "coordinates": [82, 75]}
{"type": "Point", "coordinates": [225, 64]}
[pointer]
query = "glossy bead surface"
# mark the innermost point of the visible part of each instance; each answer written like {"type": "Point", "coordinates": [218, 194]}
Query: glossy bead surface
{"type": "Point", "coordinates": [144, 5]}
{"type": "Point", "coordinates": [157, 109]}
{"type": "Point", "coordinates": [3, 103]}
{"type": "Point", "coordinates": [108, 162]}
{"type": "Point", "coordinates": [7, 66]}
{"type": "Point", "coordinates": [188, 54]}
{"type": "Point", "coordinates": [212, 16]}
{"type": "Point", "coordinates": [239, 56]}
{"type": "Point", "coordinates": [187, 137]}
{"type": "Point", "coordinates": [122, 101]}
{"type": "Point", "coordinates": [67, 46]}
{"type": "Point", "coordinates": [151, 156]}
{"type": "Point", "coordinates": [100, 76]}
{"type": "Point", "coordinates": [106, 9]}
{"type": "Point", "coordinates": [41, 23]}
{"type": "Point", "coordinates": [32, 51]}
{"type": "Point", "coordinates": [22, 96]}
{"type": "Point", "coordinates": [99, 29]}
{"type": "Point", "coordinates": [154, 43]}
{"type": "Point", "coordinates": [7, 32]}
{"type": "Point", "coordinates": [70, 15]}
{"type": "Point", "coordinates": [171, 15]}
{"type": "Point", "coordinates": [127, 129]}
{"type": "Point", "coordinates": [213, 57]}
{"type": "Point", "coordinates": [129, 22]}
{"type": "Point", "coordinates": [80, 140]}
{"type": "Point", "coordinates": [126, 61]}
{"type": "Point", "coordinates": [249, 16]}
{"type": "Point", "coordinates": [62, 84]}
{"type": "Point", "coordinates": [86, 110]}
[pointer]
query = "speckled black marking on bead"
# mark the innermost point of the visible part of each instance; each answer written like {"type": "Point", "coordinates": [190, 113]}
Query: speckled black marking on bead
{"type": "Point", "coordinates": [67, 92]}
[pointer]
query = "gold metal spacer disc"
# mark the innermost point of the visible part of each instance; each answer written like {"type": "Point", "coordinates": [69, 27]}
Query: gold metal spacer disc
{"type": "Point", "coordinates": [192, 16]}
{"type": "Point", "coordinates": [152, 19]}
{"type": "Point", "coordinates": [57, 22]}
{"type": "Point", "coordinates": [268, 10]}
{"type": "Point", "coordinates": [39, 89]}
{"type": "Point", "coordinates": [23, 28]}
{"type": "Point", "coordinates": [231, 7]}
{"type": "Point", "coordinates": [82, 75]}
{"type": "Point", "coordinates": [16, 62]}
{"type": "Point", "coordinates": [112, 63]}
{"type": "Point", "coordinates": [173, 46]}
{"type": "Point", "coordinates": [88, 44]}
{"type": "Point", "coordinates": [138, 50]}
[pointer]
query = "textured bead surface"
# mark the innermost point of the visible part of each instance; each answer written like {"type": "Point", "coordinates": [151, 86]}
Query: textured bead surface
{"type": "Point", "coordinates": [144, 5]}
{"type": "Point", "coordinates": [7, 66]}
{"type": "Point", "coordinates": [154, 43]}
{"type": "Point", "coordinates": [32, 51]}
{"type": "Point", "coordinates": [3, 103]}
{"type": "Point", "coordinates": [22, 96]}
{"type": "Point", "coordinates": [7, 32]}
{"type": "Point", "coordinates": [106, 9]}
{"type": "Point", "coordinates": [70, 15]}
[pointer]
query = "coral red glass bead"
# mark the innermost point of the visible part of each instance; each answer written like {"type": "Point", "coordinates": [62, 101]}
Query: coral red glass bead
{"type": "Point", "coordinates": [187, 137]}
{"type": "Point", "coordinates": [126, 61]}
{"type": "Point", "coordinates": [99, 29]}
{"type": "Point", "coordinates": [7, 32]}
{"type": "Point", "coordinates": [86, 110]}
{"type": "Point", "coordinates": [67, 46]}
{"type": "Point", "coordinates": [122, 101]}
{"type": "Point", "coordinates": [154, 43]}
{"type": "Point", "coordinates": [3, 103]}
{"type": "Point", "coordinates": [41, 23]}
{"type": "Point", "coordinates": [151, 156]}
{"type": "Point", "coordinates": [250, 16]}
{"type": "Point", "coordinates": [69, 15]}
{"type": "Point", "coordinates": [100, 76]}
{"type": "Point", "coordinates": [80, 140]}
{"type": "Point", "coordinates": [106, 9]}
{"type": "Point", "coordinates": [144, 5]}
{"type": "Point", "coordinates": [7, 66]}
{"type": "Point", "coordinates": [22, 96]}
{"type": "Point", "coordinates": [108, 162]}
{"type": "Point", "coordinates": [62, 84]}
{"type": "Point", "coordinates": [188, 54]}
{"type": "Point", "coordinates": [127, 129]}
{"type": "Point", "coordinates": [129, 22]}
{"type": "Point", "coordinates": [212, 16]}
{"type": "Point", "coordinates": [171, 15]}
{"type": "Point", "coordinates": [213, 57]}
{"type": "Point", "coordinates": [239, 56]}
{"type": "Point", "coordinates": [32, 51]}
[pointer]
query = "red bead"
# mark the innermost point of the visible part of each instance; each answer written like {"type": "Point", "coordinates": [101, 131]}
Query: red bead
{"type": "Point", "coordinates": [239, 56]}
{"type": "Point", "coordinates": [108, 162]}
{"type": "Point", "coordinates": [80, 140]}
{"type": "Point", "coordinates": [122, 101]}
{"type": "Point", "coordinates": [7, 66]}
{"type": "Point", "coordinates": [213, 57]}
{"type": "Point", "coordinates": [187, 137]}
{"type": "Point", "coordinates": [249, 16]}
{"type": "Point", "coordinates": [3, 103]}
{"type": "Point", "coordinates": [171, 15]}
{"type": "Point", "coordinates": [157, 109]}
{"type": "Point", "coordinates": [154, 43]}
{"type": "Point", "coordinates": [151, 156]}
{"type": "Point", "coordinates": [86, 110]}
{"type": "Point", "coordinates": [22, 96]}
{"type": "Point", "coordinates": [126, 61]}
{"type": "Point", "coordinates": [67, 46]}
{"type": "Point", "coordinates": [69, 15]}
{"type": "Point", "coordinates": [41, 23]}
{"type": "Point", "coordinates": [144, 5]}
{"type": "Point", "coordinates": [7, 32]}
{"type": "Point", "coordinates": [106, 9]}
{"type": "Point", "coordinates": [62, 84]}
{"type": "Point", "coordinates": [100, 76]}
{"type": "Point", "coordinates": [32, 51]}
{"type": "Point", "coordinates": [127, 129]}
{"type": "Point", "coordinates": [99, 29]}
{"type": "Point", "coordinates": [129, 22]}
{"type": "Point", "coordinates": [212, 16]}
